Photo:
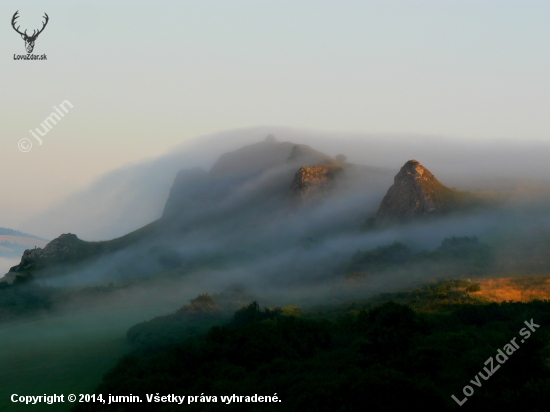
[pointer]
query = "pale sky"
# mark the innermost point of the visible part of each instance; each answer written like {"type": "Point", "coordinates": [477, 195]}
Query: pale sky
{"type": "Point", "coordinates": [144, 76]}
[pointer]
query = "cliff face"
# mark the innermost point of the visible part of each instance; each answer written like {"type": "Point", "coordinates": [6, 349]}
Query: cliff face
{"type": "Point", "coordinates": [312, 183]}
{"type": "Point", "coordinates": [189, 190]}
{"type": "Point", "coordinates": [416, 192]}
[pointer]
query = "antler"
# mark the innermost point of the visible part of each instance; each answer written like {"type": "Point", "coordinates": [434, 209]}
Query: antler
{"type": "Point", "coordinates": [43, 27]}
{"type": "Point", "coordinates": [15, 16]}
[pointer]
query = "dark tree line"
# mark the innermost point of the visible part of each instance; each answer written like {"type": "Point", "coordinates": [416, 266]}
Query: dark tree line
{"type": "Point", "coordinates": [388, 358]}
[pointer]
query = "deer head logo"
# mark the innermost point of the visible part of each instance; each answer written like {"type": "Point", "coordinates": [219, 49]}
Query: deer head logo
{"type": "Point", "coordinates": [29, 40]}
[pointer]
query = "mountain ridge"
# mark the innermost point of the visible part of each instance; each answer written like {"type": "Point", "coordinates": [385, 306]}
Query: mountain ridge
{"type": "Point", "coordinates": [227, 202]}
{"type": "Point", "coordinates": [195, 199]}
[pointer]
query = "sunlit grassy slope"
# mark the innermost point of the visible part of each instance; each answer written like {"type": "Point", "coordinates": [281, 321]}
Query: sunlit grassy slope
{"type": "Point", "coordinates": [524, 289]}
{"type": "Point", "coordinates": [444, 295]}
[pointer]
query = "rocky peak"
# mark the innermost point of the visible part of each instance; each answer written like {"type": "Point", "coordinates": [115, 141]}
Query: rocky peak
{"type": "Point", "coordinates": [415, 192]}
{"type": "Point", "coordinates": [311, 183]}
{"type": "Point", "coordinates": [62, 243]}
{"type": "Point", "coordinates": [63, 249]}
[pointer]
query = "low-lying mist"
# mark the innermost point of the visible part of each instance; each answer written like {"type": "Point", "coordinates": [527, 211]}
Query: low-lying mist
{"type": "Point", "coordinates": [301, 256]}
{"type": "Point", "coordinates": [240, 223]}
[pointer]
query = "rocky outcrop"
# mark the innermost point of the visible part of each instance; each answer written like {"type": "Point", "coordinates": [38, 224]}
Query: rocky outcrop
{"type": "Point", "coordinates": [415, 193]}
{"type": "Point", "coordinates": [67, 248]}
{"type": "Point", "coordinates": [312, 183]}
